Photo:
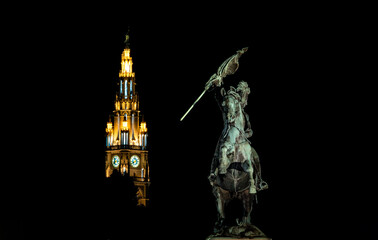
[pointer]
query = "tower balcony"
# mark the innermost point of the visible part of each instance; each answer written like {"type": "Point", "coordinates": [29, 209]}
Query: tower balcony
{"type": "Point", "coordinates": [118, 147]}
{"type": "Point", "coordinates": [140, 179]}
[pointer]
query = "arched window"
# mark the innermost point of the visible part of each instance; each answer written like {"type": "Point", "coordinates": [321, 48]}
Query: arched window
{"type": "Point", "coordinates": [125, 89]}
{"type": "Point", "coordinates": [131, 89]}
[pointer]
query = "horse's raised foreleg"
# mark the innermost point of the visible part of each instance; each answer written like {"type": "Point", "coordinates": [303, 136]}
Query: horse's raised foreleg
{"type": "Point", "coordinates": [226, 150]}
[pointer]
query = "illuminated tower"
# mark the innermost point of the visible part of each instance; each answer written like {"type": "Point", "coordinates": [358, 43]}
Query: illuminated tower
{"type": "Point", "coordinates": [126, 134]}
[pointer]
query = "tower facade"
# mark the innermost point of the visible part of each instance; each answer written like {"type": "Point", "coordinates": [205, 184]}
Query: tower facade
{"type": "Point", "coordinates": [126, 132]}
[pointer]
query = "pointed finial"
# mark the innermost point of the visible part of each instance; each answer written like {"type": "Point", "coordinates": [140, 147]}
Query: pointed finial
{"type": "Point", "coordinates": [127, 38]}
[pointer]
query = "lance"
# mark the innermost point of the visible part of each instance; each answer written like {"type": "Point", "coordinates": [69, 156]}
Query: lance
{"type": "Point", "coordinates": [228, 67]}
{"type": "Point", "coordinates": [194, 104]}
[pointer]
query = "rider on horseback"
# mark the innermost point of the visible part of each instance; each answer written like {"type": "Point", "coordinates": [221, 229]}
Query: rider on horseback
{"type": "Point", "coordinates": [235, 168]}
{"type": "Point", "coordinates": [234, 137]}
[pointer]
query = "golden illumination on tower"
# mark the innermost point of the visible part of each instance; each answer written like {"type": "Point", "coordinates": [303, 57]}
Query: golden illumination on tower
{"type": "Point", "coordinates": [135, 106]}
{"type": "Point", "coordinates": [109, 127]}
{"type": "Point", "coordinates": [126, 131]}
{"type": "Point", "coordinates": [126, 64]}
{"type": "Point", "coordinates": [117, 105]}
{"type": "Point", "coordinates": [143, 127]}
{"type": "Point", "coordinates": [125, 127]}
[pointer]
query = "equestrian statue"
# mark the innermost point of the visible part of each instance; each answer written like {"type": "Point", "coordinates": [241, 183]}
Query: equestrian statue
{"type": "Point", "coordinates": [235, 169]}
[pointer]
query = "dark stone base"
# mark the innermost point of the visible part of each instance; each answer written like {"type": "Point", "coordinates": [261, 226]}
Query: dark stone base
{"type": "Point", "coordinates": [239, 232]}
{"type": "Point", "coordinates": [232, 238]}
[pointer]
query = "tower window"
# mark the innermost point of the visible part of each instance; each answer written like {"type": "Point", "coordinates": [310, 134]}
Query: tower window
{"type": "Point", "coordinates": [126, 89]}
{"type": "Point", "coordinates": [131, 89]}
{"type": "Point", "coordinates": [121, 87]}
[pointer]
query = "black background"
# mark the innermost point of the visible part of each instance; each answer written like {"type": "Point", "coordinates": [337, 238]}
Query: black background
{"type": "Point", "coordinates": [305, 109]}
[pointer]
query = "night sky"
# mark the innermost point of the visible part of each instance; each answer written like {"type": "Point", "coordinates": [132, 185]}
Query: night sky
{"type": "Point", "coordinates": [294, 111]}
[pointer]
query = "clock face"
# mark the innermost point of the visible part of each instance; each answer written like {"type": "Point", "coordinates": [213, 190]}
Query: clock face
{"type": "Point", "coordinates": [115, 161]}
{"type": "Point", "coordinates": [134, 161]}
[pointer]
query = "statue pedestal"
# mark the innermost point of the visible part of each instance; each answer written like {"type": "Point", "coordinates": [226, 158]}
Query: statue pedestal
{"type": "Point", "coordinates": [232, 238]}
{"type": "Point", "coordinates": [239, 233]}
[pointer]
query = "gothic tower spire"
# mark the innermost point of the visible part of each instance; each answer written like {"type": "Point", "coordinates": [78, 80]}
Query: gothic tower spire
{"type": "Point", "coordinates": [126, 132]}
{"type": "Point", "coordinates": [127, 62]}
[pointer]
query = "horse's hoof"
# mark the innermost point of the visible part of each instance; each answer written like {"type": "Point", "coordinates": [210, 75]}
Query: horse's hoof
{"type": "Point", "coordinates": [218, 231]}
{"type": "Point", "coordinates": [219, 225]}
{"type": "Point", "coordinates": [212, 177]}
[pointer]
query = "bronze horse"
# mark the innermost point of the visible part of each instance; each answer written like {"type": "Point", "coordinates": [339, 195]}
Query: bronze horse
{"type": "Point", "coordinates": [238, 174]}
